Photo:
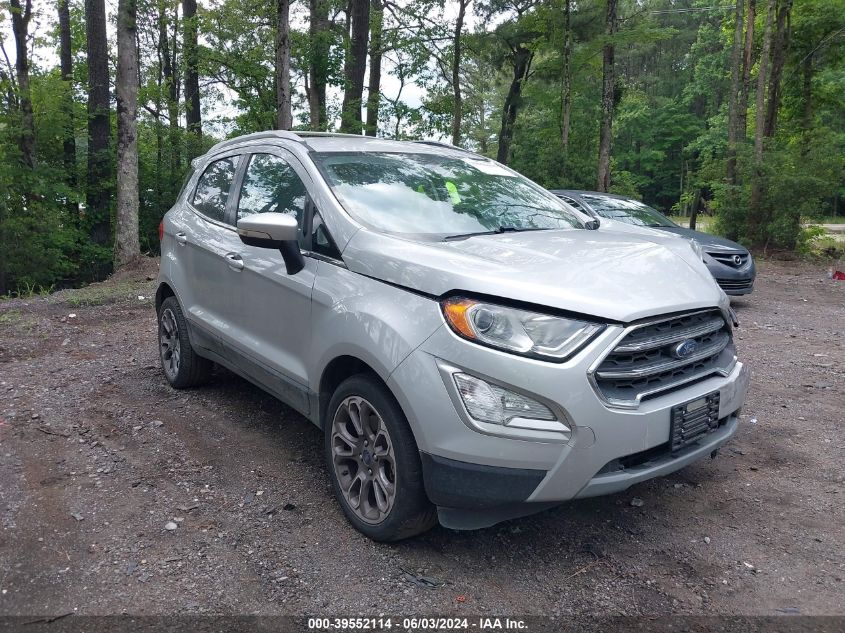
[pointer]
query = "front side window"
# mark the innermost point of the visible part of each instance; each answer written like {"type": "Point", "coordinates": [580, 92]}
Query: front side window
{"type": "Point", "coordinates": [212, 190]}
{"type": "Point", "coordinates": [627, 211]}
{"type": "Point", "coordinates": [440, 195]}
{"type": "Point", "coordinates": [271, 185]}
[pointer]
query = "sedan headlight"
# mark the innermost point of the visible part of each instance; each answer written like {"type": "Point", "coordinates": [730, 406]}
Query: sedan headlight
{"type": "Point", "coordinates": [518, 331]}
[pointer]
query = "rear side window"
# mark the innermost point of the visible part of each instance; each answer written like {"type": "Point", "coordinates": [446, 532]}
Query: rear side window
{"type": "Point", "coordinates": [213, 188]}
{"type": "Point", "coordinates": [270, 184]}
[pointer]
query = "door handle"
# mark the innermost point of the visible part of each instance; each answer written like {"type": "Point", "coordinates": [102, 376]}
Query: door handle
{"type": "Point", "coordinates": [234, 261]}
{"type": "Point", "coordinates": [181, 239]}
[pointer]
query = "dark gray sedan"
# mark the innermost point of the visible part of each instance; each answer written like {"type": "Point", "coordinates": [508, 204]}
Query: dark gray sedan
{"type": "Point", "coordinates": [730, 263]}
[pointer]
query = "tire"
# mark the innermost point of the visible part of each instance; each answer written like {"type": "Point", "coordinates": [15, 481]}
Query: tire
{"type": "Point", "coordinates": [182, 366]}
{"type": "Point", "coordinates": [366, 457]}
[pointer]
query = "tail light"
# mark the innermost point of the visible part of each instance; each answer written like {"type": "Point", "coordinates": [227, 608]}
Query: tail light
{"type": "Point", "coordinates": [161, 230]}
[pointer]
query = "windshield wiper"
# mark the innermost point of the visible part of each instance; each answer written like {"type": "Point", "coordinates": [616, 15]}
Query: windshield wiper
{"type": "Point", "coordinates": [497, 231]}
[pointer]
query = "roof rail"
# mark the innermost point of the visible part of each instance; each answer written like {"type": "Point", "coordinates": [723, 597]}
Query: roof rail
{"type": "Point", "coordinates": [255, 136]}
{"type": "Point", "coordinates": [298, 136]}
{"type": "Point", "coordinates": [310, 134]}
{"type": "Point", "coordinates": [301, 136]}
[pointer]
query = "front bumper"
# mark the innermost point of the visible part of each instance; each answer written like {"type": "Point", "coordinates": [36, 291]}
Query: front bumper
{"type": "Point", "coordinates": [608, 451]}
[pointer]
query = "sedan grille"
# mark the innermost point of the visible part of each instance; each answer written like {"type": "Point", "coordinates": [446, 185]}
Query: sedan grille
{"type": "Point", "coordinates": [734, 260]}
{"type": "Point", "coordinates": [735, 284]}
{"type": "Point", "coordinates": [663, 355]}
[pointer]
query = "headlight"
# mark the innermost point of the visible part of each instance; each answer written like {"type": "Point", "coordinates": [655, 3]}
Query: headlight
{"type": "Point", "coordinates": [518, 331]}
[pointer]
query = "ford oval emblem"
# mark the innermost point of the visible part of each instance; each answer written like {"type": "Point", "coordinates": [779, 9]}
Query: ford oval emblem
{"type": "Point", "coordinates": [685, 349]}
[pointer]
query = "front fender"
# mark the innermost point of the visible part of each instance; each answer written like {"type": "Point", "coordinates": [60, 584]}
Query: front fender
{"type": "Point", "coordinates": [375, 322]}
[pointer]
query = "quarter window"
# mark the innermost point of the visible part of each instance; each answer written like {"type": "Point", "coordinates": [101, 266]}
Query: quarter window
{"type": "Point", "coordinates": [270, 184]}
{"type": "Point", "coordinates": [213, 188]}
{"type": "Point", "coordinates": [321, 241]}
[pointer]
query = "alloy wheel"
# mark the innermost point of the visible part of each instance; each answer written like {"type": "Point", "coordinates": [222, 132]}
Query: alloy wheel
{"type": "Point", "coordinates": [364, 460]}
{"type": "Point", "coordinates": [169, 342]}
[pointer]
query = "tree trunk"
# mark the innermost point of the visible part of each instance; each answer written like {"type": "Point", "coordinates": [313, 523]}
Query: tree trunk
{"type": "Point", "coordinates": [780, 47]}
{"type": "Point", "coordinates": [21, 16]}
{"type": "Point", "coordinates": [193, 114]}
{"type": "Point", "coordinates": [747, 63]}
{"type": "Point", "coordinates": [318, 31]}
{"type": "Point", "coordinates": [374, 86]}
{"type": "Point", "coordinates": [66, 62]}
{"type": "Point", "coordinates": [807, 100]}
{"type": "Point", "coordinates": [733, 97]}
{"type": "Point", "coordinates": [696, 207]}
{"type": "Point", "coordinates": [566, 77]}
{"type": "Point", "coordinates": [172, 85]}
{"type": "Point", "coordinates": [99, 182]}
{"type": "Point", "coordinates": [521, 65]}
{"type": "Point", "coordinates": [607, 100]}
{"type": "Point", "coordinates": [284, 118]}
{"type": "Point", "coordinates": [457, 98]}
{"type": "Point", "coordinates": [126, 246]}
{"type": "Point", "coordinates": [355, 67]}
{"type": "Point", "coordinates": [756, 213]}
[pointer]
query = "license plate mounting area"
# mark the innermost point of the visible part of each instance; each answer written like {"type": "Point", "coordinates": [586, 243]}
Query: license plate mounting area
{"type": "Point", "coordinates": [692, 420]}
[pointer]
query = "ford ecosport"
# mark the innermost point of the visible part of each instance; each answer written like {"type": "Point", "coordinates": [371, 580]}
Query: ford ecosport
{"type": "Point", "coordinates": [473, 348]}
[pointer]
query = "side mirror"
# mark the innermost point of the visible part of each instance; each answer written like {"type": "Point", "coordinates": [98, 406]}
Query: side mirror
{"type": "Point", "coordinates": [273, 230]}
{"type": "Point", "coordinates": [592, 225]}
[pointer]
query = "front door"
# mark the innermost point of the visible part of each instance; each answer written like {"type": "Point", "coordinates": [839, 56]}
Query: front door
{"type": "Point", "coordinates": [269, 311]}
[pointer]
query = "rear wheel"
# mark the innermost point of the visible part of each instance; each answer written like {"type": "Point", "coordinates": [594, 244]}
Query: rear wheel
{"type": "Point", "coordinates": [374, 462]}
{"type": "Point", "coordinates": [182, 366]}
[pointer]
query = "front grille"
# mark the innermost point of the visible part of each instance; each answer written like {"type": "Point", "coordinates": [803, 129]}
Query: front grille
{"type": "Point", "coordinates": [647, 361]}
{"type": "Point", "coordinates": [735, 284]}
{"type": "Point", "coordinates": [734, 260]}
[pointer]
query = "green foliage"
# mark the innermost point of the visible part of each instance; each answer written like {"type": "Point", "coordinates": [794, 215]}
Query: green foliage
{"type": "Point", "coordinates": [670, 116]}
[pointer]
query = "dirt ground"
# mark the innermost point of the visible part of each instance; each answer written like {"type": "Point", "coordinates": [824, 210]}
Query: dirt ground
{"type": "Point", "coordinates": [98, 454]}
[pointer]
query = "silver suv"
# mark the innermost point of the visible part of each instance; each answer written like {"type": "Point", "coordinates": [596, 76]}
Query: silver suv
{"type": "Point", "coordinates": [473, 348]}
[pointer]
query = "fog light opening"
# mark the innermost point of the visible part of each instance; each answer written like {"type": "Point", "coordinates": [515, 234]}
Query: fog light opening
{"type": "Point", "coordinates": [492, 404]}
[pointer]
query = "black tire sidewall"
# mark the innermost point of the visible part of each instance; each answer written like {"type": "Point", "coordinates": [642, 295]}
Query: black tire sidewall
{"type": "Point", "coordinates": [411, 503]}
{"type": "Point", "coordinates": [193, 369]}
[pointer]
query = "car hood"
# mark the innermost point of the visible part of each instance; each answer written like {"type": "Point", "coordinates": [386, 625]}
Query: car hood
{"type": "Point", "coordinates": [708, 242]}
{"type": "Point", "coordinates": [616, 275]}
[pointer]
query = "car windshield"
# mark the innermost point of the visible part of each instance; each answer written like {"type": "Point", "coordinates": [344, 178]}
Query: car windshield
{"type": "Point", "coordinates": [627, 211]}
{"type": "Point", "coordinates": [440, 195]}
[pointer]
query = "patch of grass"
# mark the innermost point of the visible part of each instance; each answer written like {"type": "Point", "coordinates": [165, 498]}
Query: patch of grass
{"type": "Point", "coordinates": [105, 293]}
{"type": "Point", "coordinates": [10, 317]}
{"type": "Point", "coordinates": [29, 291]}
{"type": "Point", "coordinates": [16, 319]}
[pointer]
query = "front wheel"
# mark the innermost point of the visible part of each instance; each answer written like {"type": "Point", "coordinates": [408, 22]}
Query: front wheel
{"type": "Point", "coordinates": [374, 462]}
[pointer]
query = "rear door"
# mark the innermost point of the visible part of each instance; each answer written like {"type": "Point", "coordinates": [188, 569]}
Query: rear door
{"type": "Point", "coordinates": [269, 311]}
{"type": "Point", "coordinates": [204, 239]}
